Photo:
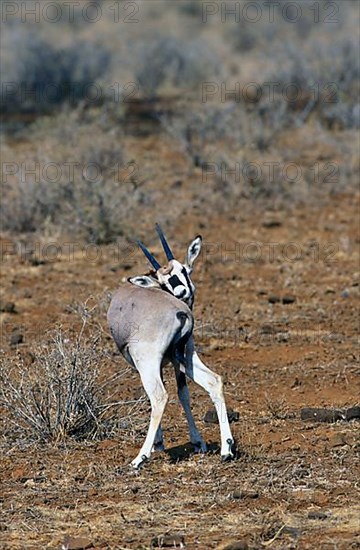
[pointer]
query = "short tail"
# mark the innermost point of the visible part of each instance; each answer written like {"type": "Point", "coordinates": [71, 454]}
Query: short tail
{"type": "Point", "coordinates": [182, 336]}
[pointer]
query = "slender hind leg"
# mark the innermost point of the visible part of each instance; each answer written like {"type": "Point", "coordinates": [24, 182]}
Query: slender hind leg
{"type": "Point", "coordinates": [159, 440]}
{"type": "Point", "coordinates": [154, 387]}
{"type": "Point", "coordinates": [212, 383]}
{"type": "Point", "coordinates": [184, 398]}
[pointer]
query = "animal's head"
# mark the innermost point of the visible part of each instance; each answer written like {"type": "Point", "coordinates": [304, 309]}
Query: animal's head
{"type": "Point", "coordinates": [174, 277]}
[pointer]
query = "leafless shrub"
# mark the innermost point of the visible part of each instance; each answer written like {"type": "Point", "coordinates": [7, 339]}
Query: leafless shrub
{"type": "Point", "coordinates": [251, 32]}
{"type": "Point", "coordinates": [60, 394]}
{"type": "Point", "coordinates": [60, 399]}
{"type": "Point", "coordinates": [324, 79]}
{"type": "Point", "coordinates": [341, 116]}
{"type": "Point", "coordinates": [91, 209]}
{"type": "Point", "coordinates": [341, 67]}
{"type": "Point", "coordinates": [26, 205]}
{"type": "Point", "coordinates": [227, 128]}
{"type": "Point", "coordinates": [170, 61]}
{"type": "Point", "coordinates": [208, 125]}
{"type": "Point", "coordinates": [245, 36]}
{"type": "Point", "coordinates": [93, 200]}
{"type": "Point", "coordinates": [38, 76]}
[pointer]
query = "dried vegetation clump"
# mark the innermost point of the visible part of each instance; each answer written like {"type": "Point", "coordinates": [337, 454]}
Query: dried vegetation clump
{"type": "Point", "coordinates": [84, 186]}
{"type": "Point", "coordinates": [168, 62]}
{"type": "Point", "coordinates": [38, 75]}
{"type": "Point", "coordinates": [57, 393]}
{"type": "Point", "coordinates": [203, 89]}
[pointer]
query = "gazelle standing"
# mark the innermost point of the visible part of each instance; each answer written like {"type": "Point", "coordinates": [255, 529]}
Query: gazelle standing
{"type": "Point", "coordinates": [152, 323]}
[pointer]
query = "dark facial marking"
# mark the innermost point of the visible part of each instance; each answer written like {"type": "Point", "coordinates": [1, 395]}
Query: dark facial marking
{"type": "Point", "coordinates": [174, 281]}
{"type": "Point", "coordinates": [185, 273]}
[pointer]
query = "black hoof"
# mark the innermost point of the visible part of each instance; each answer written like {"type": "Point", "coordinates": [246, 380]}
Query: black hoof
{"type": "Point", "coordinates": [200, 448]}
{"type": "Point", "coordinates": [227, 458]}
{"type": "Point", "coordinates": [233, 452]}
{"type": "Point", "coordinates": [136, 465]}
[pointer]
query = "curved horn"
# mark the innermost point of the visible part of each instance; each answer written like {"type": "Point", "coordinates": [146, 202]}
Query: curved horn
{"type": "Point", "coordinates": [166, 247]}
{"type": "Point", "coordinates": [149, 256]}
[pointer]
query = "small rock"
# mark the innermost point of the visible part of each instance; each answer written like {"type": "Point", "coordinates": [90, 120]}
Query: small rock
{"type": "Point", "coordinates": [240, 494]}
{"type": "Point", "coordinates": [293, 532]}
{"type": "Point", "coordinates": [262, 292]}
{"type": "Point", "coordinates": [211, 416]}
{"type": "Point", "coordinates": [337, 440]}
{"type": "Point", "coordinates": [317, 515]}
{"type": "Point", "coordinates": [273, 299]}
{"type": "Point", "coordinates": [16, 338]}
{"type": "Point", "coordinates": [321, 415]}
{"type": "Point", "coordinates": [271, 223]}
{"type": "Point", "coordinates": [7, 307]}
{"type": "Point", "coordinates": [35, 261]}
{"type": "Point", "coordinates": [352, 413]}
{"type": "Point", "coordinates": [345, 293]}
{"type": "Point", "coordinates": [168, 541]}
{"type": "Point", "coordinates": [288, 299]}
{"type": "Point", "coordinates": [177, 183]}
{"type": "Point", "coordinates": [296, 383]}
{"type": "Point", "coordinates": [329, 290]}
{"type": "Point", "coordinates": [76, 543]}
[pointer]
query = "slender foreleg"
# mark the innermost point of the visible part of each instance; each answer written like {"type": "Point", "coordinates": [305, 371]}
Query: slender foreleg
{"type": "Point", "coordinates": [212, 383]}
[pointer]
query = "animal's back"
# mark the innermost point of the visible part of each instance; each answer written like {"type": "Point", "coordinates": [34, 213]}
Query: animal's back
{"type": "Point", "coordinates": [135, 314]}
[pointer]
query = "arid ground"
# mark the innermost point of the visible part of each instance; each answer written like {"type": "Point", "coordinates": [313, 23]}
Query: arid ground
{"type": "Point", "coordinates": [275, 358]}
{"type": "Point", "coordinates": [278, 295]}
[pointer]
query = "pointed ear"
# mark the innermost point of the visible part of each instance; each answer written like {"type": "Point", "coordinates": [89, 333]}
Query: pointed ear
{"type": "Point", "coordinates": [145, 281]}
{"type": "Point", "coordinates": [193, 251]}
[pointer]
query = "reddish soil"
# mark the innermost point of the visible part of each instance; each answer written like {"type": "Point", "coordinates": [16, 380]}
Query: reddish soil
{"type": "Point", "coordinates": [275, 358]}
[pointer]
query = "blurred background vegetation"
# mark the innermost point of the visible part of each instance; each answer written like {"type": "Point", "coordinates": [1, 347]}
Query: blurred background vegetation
{"type": "Point", "coordinates": [116, 114]}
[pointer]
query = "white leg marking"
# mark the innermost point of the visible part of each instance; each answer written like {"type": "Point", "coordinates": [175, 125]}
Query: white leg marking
{"type": "Point", "coordinates": [212, 383]}
{"type": "Point", "coordinates": [151, 380]}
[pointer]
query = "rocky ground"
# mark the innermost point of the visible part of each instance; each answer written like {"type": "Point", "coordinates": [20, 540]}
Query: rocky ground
{"type": "Point", "coordinates": [280, 324]}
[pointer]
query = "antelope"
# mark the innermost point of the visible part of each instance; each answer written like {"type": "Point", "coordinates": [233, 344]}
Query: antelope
{"type": "Point", "coordinates": [150, 318]}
